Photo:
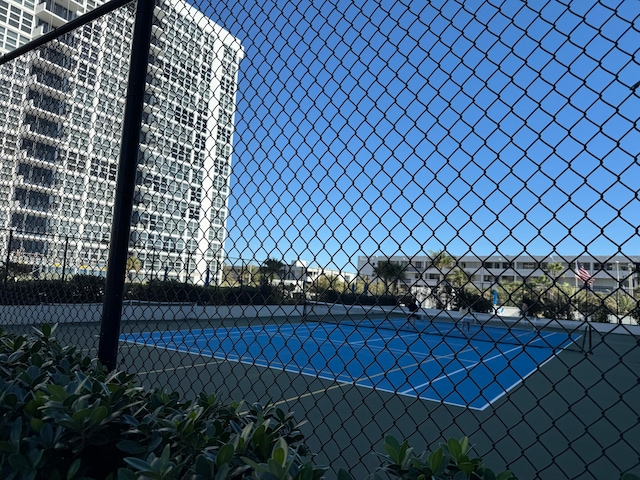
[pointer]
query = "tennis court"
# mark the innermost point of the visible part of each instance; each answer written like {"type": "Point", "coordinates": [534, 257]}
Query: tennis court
{"type": "Point", "coordinates": [463, 365]}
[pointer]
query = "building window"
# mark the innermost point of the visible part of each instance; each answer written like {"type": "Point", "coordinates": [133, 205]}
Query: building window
{"type": "Point", "coordinates": [527, 265]}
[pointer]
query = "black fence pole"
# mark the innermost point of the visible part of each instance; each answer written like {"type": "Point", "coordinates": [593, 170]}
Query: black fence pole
{"type": "Point", "coordinates": [64, 258]}
{"type": "Point", "coordinates": [6, 266]}
{"type": "Point", "coordinates": [125, 187]}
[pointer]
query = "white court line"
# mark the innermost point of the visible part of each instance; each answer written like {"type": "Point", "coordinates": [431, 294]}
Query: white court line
{"type": "Point", "coordinates": [447, 375]}
{"type": "Point", "coordinates": [345, 379]}
{"type": "Point", "coordinates": [522, 379]}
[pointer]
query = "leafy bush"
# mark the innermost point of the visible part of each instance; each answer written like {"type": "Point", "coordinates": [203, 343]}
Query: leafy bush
{"type": "Point", "coordinates": [63, 416]}
{"type": "Point", "coordinates": [174, 291]}
{"type": "Point", "coordinates": [467, 299]}
{"type": "Point", "coordinates": [558, 306]}
{"type": "Point", "coordinates": [360, 299]}
{"type": "Point", "coordinates": [79, 289]}
{"type": "Point", "coordinates": [90, 289]}
{"type": "Point", "coordinates": [8, 271]}
{"type": "Point", "coordinates": [451, 460]}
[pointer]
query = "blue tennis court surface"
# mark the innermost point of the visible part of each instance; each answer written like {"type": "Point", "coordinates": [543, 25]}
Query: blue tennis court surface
{"type": "Point", "coordinates": [457, 371]}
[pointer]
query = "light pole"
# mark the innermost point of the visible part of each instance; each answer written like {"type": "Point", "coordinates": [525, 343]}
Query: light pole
{"type": "Point", "coordinates": [618, 290]}
{"type": "Point", "coordinates": [156, 246]}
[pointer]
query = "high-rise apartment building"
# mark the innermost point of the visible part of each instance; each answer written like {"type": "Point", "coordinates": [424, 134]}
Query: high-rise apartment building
{"type": "Point", "coordinates": [61, 110]}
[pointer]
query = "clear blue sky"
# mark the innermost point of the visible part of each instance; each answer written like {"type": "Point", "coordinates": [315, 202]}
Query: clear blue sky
{"type": "Point", "coordinates": [382, 128]}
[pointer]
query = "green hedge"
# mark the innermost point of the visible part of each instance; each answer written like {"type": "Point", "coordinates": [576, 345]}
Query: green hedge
{"type": "Point", "coordinates": [63, 416]}
{"type": "Point", "coordinates": [90, 289]}
{"type": "Point", "coordinates": [79, 289]}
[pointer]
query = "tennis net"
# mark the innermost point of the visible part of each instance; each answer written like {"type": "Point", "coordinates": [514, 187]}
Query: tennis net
{"type": "Point", "coordinates": [558, 335]}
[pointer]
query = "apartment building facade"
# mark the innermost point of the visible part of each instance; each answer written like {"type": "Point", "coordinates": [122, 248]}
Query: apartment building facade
{"type": "Point", "coordinates": [62, 107]}
{"type": "Point", "coordinates": [607, 273]}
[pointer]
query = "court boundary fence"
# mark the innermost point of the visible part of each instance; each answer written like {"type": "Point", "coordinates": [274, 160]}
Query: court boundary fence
{"type": "Point", "coordinates": [388, 147]}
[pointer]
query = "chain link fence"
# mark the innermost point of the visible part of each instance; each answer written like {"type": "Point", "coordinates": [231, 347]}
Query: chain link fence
{"type": "Point", "coordinates": [410, 219]}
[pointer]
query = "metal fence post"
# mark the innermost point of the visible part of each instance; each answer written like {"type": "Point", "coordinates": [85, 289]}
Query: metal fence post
{"type": "Point", "coordinates": [123, 206]}
{"type": "Point", "coordinates": [6, 266]}
{"type": "Point", "coordinates": [64, 258]}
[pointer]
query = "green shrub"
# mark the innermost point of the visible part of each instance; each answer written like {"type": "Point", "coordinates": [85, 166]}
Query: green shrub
{"type": "Point", "coordinates": [467, 299]}
{"type": "Point", "coordinates": [558, 306]}
{"type": "Point", "coordinates": [63, 416]}
{"type": "Point", "coordinates": [79, 289]}
{"type": "Point", "coordinates": [451, 460]}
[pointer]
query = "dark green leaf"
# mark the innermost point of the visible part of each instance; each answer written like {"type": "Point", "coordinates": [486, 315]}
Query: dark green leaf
{"type": "Point", "coordinates": [57, 392]}
{"type": "Point", "coordinates": [466, 466]}
{"type": "Point", "coordinates": [36, 424]}
{"type": "Point", "coordinates": [222, 474]}
{"type": "Point", "coordinates": [344, 475]}
{"type": "Point", "coordinates": [73, 468]}
{"type": "Point", "coordinates": [488, 475]}
{"type": "Point", "coordinates": [225, 455]}
{"type": "Point", "coordinates": [435, 460]}
{"type": "Point", "coordinates": [130, 446]}
{"type": "Point", "coordinates": [203, 466]}
{"type": "Point", "coordinates": [20, 462]}
{"type": "Point", "coordinates": [16, 431]}
{"type": "Point", "coordinates": [269, 476]}
{"type": "Point", "coordinates": [125, 474]}
{"type": "Point", "coordinates": [280, 451]}
{"type": "Point", "coordinates": [7, 447]}
{"type": "Point", "coordinates": [464, 444]}
{"type": "Point", "coordinates": [454, 448]}
{"type": "Point", "coordinates": [138, 464]}
{"type": "Point", "coordinates": [46, 330]}
{"type": "Point", "coordinates": [99, 414]}
{"type": "Point", "coordinates": [36, 359]}
{"type": "Point", "coordinates": [36, 347]}
{"type": "Point", "coordinates": [10, 399]}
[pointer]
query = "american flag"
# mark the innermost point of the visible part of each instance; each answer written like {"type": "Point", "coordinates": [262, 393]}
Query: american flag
{"type": "Point", "coordinates": [583, 275]}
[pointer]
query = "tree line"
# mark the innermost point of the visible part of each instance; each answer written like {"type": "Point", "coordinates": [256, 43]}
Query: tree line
{"type": "Point", "coordinates": [544, 296]}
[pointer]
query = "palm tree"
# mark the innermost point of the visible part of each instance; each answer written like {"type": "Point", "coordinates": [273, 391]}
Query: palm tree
{"type": "Point", "coordinates": [510, 293]}
{"type": "Point", "coordinates": [442, 261]}
{"type": "Point", "coordinates": [553, 269]}
{"type": "Point", "coordinates": [249, 272]}
{"type": "Point", "coordinates": [459, 279]}
{"type": "Point", "coordinates": [390, 273]}
{"type": "Point", "coordinates": [133, 266]}
{"type": "Point", "coordinates": [271, 268]}
{"type": "Point", "coordinates": [621, 304]}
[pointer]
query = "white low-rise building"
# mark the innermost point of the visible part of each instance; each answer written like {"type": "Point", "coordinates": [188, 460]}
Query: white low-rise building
{"type": "Point", "coordinates": [606, 273]}
{"type": "Point", "coordinates": [298, 273]}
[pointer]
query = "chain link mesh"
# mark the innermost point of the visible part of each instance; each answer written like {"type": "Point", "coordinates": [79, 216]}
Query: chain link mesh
{"type": "Point", "coordinates": [409, 219]}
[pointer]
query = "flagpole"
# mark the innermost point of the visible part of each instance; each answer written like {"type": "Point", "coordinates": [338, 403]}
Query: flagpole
{"type": "Point", "coordinates": [575, 279]}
